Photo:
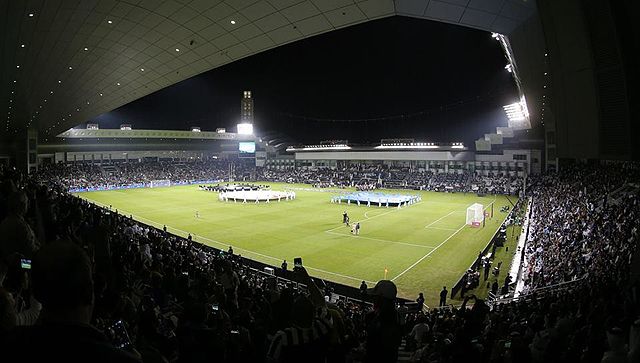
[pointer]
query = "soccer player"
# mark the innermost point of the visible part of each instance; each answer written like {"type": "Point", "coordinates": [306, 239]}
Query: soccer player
{"type": "Point", "coordinates": [197, 214]}
{"type": "Point", "coordinates": [358, 228]}
{"type": "Point", "coordinates": [345, 217]}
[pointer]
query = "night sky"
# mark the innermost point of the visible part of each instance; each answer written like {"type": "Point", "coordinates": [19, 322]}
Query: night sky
{"type": "Point", "coordinates": [426, 80]}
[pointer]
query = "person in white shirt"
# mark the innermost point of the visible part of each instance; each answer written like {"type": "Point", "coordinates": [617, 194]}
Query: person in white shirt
{"type": "Point", "coordinates": [419, 331]}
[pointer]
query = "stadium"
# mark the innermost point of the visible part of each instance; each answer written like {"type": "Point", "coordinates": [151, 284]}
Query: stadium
{"type": "Point", "coordinates": [319, 181]}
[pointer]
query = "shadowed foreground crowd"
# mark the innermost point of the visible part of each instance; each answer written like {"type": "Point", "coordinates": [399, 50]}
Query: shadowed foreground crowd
{"type": "Point", "coordinates": [79, 283]}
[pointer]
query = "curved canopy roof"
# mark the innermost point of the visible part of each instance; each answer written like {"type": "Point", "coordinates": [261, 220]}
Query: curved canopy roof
{"type": "Point", "coordinates": [66, 61]}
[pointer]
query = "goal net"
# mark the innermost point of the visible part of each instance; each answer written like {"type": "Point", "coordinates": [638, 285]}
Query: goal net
{"type": "Point", "coordinates": [475, 215]}
{"type": "Point", "coordinates": [160, 183]}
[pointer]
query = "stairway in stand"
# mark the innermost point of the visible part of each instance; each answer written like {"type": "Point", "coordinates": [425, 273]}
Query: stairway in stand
{"type": "Point", "coordinates": [403, 355]}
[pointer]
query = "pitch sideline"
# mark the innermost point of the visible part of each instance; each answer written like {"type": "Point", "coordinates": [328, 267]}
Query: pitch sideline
{"type": "Point", "coordinates": [227, 244]}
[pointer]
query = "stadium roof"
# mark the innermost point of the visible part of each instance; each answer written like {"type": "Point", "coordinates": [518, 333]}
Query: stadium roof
{"type": "Point", "coordinates": [66, 61]}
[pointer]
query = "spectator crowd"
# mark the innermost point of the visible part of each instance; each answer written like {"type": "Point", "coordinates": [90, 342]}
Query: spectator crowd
{"type": "Point", "coordinates": [91, 175]}
{"type": "Point", "coordinates": [81, 283]}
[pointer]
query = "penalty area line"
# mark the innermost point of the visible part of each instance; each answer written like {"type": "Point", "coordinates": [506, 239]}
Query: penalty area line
{"type": "Point", "coordinates": [429, 253]}
{"type": "Point", "coordinates": [439, 219]}
{"type": "Point", "coordinates": [440, 228]}
{"type": "Point", "coordinates": [438, 246]}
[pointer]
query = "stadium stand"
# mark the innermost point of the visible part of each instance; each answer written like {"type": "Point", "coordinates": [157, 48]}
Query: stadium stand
{"type": "Point", "coordinates": [82, 176]}
{"type": "Point", "coordinates": [180, 301]}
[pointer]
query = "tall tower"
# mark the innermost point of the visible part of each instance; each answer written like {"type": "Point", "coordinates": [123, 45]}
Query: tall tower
{"type": "Point", "coordinates": [246, 108]}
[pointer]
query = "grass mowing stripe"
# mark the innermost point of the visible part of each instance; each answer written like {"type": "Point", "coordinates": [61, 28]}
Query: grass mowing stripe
{"type": "Point", "coordinates": [379, 240]}
{"type": "Point", "coordinates": [267, 232]}
{"type": "Point", "coordinates": [438, 246]}
{"type": "Point", "coordinates": [224, 245]}
{"type": "Point", "coordinates": [429, 253]}
{"type": "Point", "coordinates": [440, 228]}
{"type": "Point", "coordinates": [439, 219]}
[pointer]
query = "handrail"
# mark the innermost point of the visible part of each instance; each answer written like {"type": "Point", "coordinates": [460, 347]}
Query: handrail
{"type": "Point", "coordinates": [541, 290]}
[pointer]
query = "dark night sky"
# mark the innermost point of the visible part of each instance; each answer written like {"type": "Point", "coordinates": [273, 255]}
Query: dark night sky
{"type": "Point", "coordinates": [448, 81]}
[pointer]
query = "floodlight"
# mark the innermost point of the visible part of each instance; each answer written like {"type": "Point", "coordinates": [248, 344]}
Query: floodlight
{"type": "Point", "coordinates": [518, 114]}
{"type": "Point", "coordinates": [245, 129]}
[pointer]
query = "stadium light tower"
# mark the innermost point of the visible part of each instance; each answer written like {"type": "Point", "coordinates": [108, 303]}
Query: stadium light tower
{"type": "Point", "coordinates": [518, 114]}
{"type": "Point", "coordinates": [245, 127]}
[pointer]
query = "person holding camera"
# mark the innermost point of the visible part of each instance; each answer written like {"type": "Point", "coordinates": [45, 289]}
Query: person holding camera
{"type": "Point", "coordinates": [62, 281]}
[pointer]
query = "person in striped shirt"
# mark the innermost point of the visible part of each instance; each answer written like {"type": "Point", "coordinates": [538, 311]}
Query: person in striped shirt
{"type": "Point", "coordinates": [307, 339]}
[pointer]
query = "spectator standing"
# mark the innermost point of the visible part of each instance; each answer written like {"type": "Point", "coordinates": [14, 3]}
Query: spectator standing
{"type": "Point", "coordinates": [363, 290]}
{"type": "Point", "coordinates": [443, 296]}
{"type": "Point", "coordinates": [403, 311]}
{"type": "Point", "coordinates": [307, 337]}
{"type": "Point", "coordinates": [420, 301]}
{"type": "Point", "coordinates": [419, 332]}
{"type": "Point", "coordinates": [383, 328]}
{"type": "Point", "coordinates": [284, 265]}
{"type": "Point", "coordinates": [17, 235]}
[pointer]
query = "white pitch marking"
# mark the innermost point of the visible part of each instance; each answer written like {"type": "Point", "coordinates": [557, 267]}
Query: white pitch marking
{"type": "Point", "coordinates": [439, 219]}
{"type": "Point", "coordinates": [428, 254]}
{"type": "Point", "coordinates": [444, 229]}
{"type": "Point", "coordinates": [379, 239]}
{"type": "Point", "coordinates": [370, 218]}
{"type": "Point", "coordinates": [237, 248]}
{"type": "Point", "coordinates": [438, 246]}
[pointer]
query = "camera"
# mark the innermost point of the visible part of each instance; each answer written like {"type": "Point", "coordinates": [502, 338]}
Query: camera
{"type": "Point", "coordinates": [297, 262]}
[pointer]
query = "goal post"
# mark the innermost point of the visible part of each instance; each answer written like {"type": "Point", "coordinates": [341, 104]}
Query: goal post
{"type": "Point", "coordinates": [160, 183]}
{"type": "Point", "coordinates": [475, 215]}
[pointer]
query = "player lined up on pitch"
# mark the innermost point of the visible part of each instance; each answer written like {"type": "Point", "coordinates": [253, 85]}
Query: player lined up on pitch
{"type": "Point", "coordinates": [355, 228]}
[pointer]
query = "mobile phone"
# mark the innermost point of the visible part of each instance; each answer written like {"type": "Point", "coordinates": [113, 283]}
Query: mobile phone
{"type": "Point", "coordinates": [235, 332]}
{"type": "Point", "coordinates": [25, 264]}
{"type": "Point", "coordinates": [185, 273]}
{"type": "Point", "coordinates": [215, 307]}
{"type": "Point", "coordinates": [297, 262]}
{"type": "Point", "coordinates": [507, 344]}
{"type": "Point", "coordinates": [118, 335]}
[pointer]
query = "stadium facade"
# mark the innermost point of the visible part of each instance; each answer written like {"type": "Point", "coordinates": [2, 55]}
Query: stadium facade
{"type": "Point", "coordinates": [578, 93]}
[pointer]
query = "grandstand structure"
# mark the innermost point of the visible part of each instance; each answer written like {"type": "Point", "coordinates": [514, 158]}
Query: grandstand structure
{"type": "Point", "coordinates": [104, 285]}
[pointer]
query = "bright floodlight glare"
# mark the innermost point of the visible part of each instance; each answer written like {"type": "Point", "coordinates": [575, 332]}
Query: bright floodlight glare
{"type": "Point", "coordinates": [517, 113]}
{"type": "Point", "coordinates": [245, 129]}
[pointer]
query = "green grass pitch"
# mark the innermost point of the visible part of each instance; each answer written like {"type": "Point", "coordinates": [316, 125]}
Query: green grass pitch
{"type": "Point", "coordinates": [423, 247]}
